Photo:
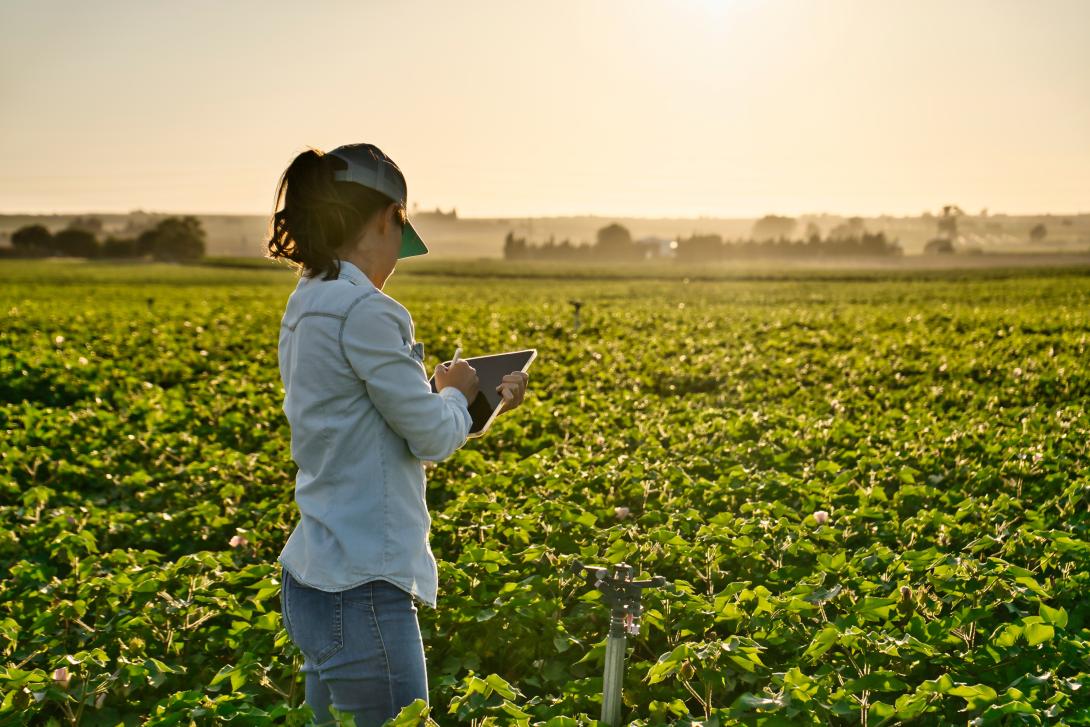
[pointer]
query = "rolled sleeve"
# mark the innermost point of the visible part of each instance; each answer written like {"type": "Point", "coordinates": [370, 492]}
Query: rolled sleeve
{"type": "Point", "coordinates": [433, 425]}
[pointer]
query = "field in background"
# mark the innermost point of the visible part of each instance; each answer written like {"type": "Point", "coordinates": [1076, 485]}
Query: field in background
{"type": "Point", "coordinates": [939, 418]}
{"type": "Point", "coordinates": [919, 268]}
{"type": "Point", "coordinates": [909, 268]}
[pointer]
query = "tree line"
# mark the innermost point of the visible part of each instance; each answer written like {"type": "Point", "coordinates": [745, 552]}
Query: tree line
{"type": "Point", "coordinates": [614, 242]}
{"type": "Point", "coordinates": [702, 248]}
{"type": "Point", "coordinates": [771, 238]}
{"type": "Point", "coordinates": [173, 239]}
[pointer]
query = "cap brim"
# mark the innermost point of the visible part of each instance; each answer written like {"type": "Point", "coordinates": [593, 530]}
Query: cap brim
{"type": "Point", "coordinates": [411, 244]}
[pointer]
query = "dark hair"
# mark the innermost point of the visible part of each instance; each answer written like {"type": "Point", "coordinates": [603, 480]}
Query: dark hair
{"type": "Point", "coordinates": [319, 214]}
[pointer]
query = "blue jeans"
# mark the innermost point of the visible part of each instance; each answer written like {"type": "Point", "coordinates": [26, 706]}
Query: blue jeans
{"type": "Point", "coordinates": [362, 650]}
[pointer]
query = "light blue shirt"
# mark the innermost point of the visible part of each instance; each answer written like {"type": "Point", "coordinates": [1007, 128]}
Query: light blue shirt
{"type": "Point", "coordinates": [362, 417]}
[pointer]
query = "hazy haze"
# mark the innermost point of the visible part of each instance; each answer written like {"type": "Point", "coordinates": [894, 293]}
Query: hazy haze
{"type": "Point", "coordinates": [686, 107]}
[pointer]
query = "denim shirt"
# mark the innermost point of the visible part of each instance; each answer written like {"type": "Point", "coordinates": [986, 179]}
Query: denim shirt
{"type": "Point", "coordinates": [362, 417]}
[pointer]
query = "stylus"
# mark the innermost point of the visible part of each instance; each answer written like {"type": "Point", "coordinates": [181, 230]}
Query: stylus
{"type": "Point", "coordinates": [457, 353]}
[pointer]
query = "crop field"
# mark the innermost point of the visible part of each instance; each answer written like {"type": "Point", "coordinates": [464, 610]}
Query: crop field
{"type": "Point", "coordinates": [872, 495]}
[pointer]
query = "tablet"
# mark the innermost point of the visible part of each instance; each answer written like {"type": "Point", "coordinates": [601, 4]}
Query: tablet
{"type": "Point", "coordinates": [490, 371]}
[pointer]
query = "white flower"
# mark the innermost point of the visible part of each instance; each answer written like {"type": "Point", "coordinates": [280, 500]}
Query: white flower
{"type": "Point", "coordinates": [237, 541]}
{"type": "Point", "coordinates": [821, 517]}
{"type": "Point", "coordinates": [621, 512]}
{"type": "Point", "coordinates": [61, 677]}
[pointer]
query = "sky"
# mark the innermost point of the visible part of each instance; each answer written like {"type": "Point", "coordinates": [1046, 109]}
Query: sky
{"type": "Point", "coordinates": [733, 108]}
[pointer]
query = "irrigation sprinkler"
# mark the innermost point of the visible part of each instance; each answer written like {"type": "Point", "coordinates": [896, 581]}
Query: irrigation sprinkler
{"type": "Point", "coordinates": [623, 596]}
{"type": "Point", "coordinates": [576, 305]}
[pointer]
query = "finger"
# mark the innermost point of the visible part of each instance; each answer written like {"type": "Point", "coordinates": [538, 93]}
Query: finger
{"type": "Point", "coordinates": [512, 394]}
{"type": "Point", "coordinates": [505, 403]}
{"type": "Point", "coordinates": [516, 381]}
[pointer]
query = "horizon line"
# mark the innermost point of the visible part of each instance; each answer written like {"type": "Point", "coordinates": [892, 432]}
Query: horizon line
{"type": "Point", "coordinates": [58, 213]}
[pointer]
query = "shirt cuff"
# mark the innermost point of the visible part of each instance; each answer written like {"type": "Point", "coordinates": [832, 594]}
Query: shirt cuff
{"type": "Point", "coordinates": [463, 405]}
{"type": "Point", "coordinates": [452, 392]}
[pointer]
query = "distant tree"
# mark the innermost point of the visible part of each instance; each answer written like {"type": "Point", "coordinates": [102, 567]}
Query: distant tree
{"type": "Point", "coordinates": [813, 232]}
{"type": "Point", "coordinates": [939, 246]}
{"type": "Point", "coordinates": [1038, 233]}
{"type": "Point", "coordinates": [772, 227]}
{"type": "Point", "coordinates": [514, 248]}
{"type": "Point", "coordinates": [32, 238]}
{"type": "Point", "coordinates": [615, 242]}
{"type": "Point", "coordinates": [119, 247]}
{"type": "Point", "coordinates": [173, 239]}
{"type": "Point", "coordinates": [614, 237]}
{"type": "Point", "coordinates": [145, 242]}
{"type": "Point", "coordinates": [75, 243]}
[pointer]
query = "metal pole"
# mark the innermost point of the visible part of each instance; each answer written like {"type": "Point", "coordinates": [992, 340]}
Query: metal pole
{"type": "Point", "coordinates": [613, 678]}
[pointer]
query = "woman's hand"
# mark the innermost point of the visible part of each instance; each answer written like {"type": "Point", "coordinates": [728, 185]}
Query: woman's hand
{"type": "Point", "coordinates": [460, 375]}
{"type": "Point", "coordinates": [512, 388]}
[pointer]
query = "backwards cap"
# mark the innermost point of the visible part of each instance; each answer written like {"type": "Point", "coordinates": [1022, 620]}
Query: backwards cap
{"type": "Point", "coordinates": [369, 167]}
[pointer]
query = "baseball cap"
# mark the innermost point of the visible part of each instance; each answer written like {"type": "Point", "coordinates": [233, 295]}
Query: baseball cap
{"type": "Point", "coordinates": [369, 167]}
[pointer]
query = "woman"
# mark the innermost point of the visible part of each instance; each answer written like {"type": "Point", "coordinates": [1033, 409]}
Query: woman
{"type": "Point", "coordinates": [362, 417]}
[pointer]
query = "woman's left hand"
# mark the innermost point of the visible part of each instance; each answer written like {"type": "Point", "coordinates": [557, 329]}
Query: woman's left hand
{"type": "Point", "coordinates": [512, 388]}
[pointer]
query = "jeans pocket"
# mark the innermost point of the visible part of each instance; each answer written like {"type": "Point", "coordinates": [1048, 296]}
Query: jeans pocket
{"type": "Point", "coordinates": [313, 619]}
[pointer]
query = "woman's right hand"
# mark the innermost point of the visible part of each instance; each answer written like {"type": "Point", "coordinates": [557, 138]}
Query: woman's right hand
{"type": "Point", "coordinates": [461, 376]}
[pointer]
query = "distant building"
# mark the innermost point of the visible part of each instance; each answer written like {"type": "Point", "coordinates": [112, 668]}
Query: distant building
{"type": "Point", "coordinates": [657, 247]}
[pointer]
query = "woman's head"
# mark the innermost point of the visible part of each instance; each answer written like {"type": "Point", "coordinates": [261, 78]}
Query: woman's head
{"type": "Point", "coordinates": [320, 220]}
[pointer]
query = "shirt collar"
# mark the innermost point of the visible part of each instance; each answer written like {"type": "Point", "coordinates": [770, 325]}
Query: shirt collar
{"type": "Point", "coordinates": [352, 273]}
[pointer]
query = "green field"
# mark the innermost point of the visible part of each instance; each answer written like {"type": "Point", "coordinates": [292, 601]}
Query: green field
{"type": "Point", "coordinates": [941, 420]}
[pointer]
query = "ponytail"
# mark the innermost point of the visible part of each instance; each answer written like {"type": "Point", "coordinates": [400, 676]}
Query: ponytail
{"type": "Point", "coordinates": [318, 215]}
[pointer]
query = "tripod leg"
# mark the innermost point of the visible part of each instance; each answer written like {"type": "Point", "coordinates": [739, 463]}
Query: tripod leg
{"type": "Point", "coordinates": [613, 679]}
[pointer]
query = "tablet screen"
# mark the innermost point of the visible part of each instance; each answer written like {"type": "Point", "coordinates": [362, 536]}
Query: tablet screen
{"type": "Point", "coordinates": [490, 371]}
